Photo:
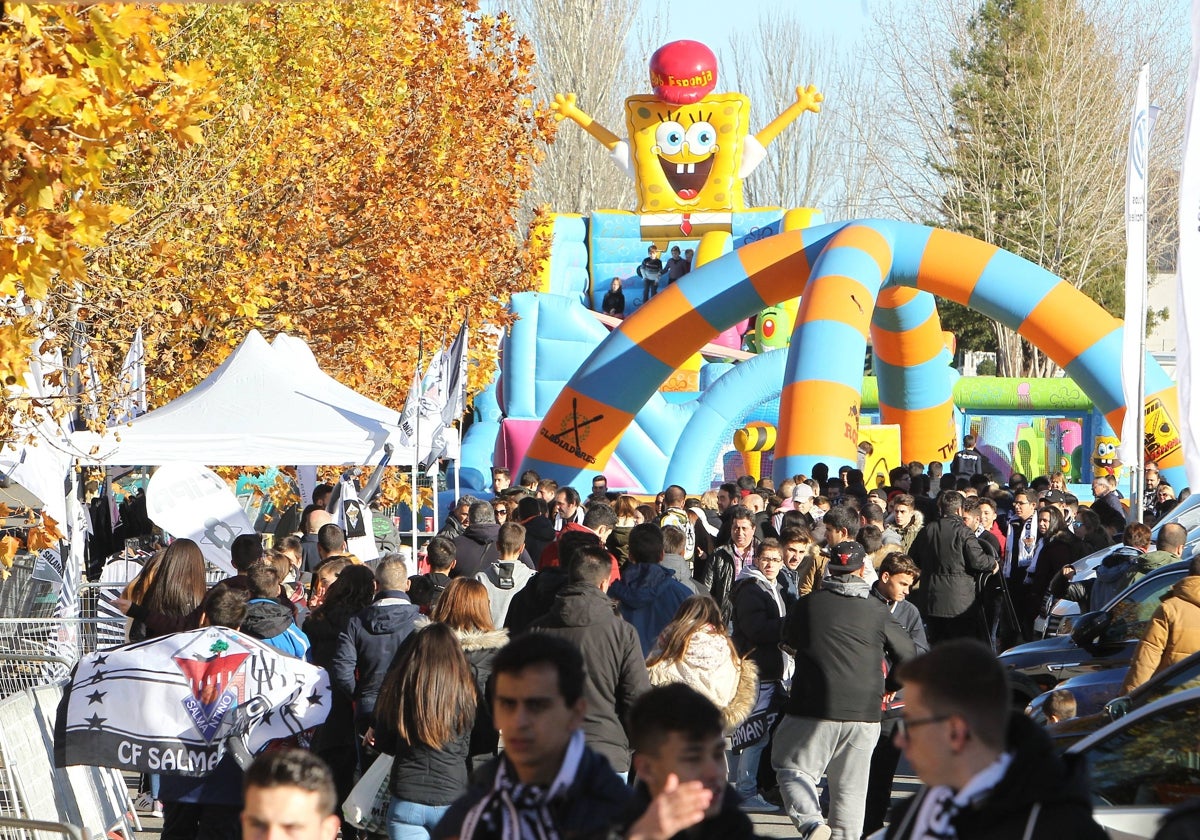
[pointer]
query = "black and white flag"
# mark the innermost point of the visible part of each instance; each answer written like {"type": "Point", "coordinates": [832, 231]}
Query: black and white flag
{"type": "Point", "coordinates": [178, 703]}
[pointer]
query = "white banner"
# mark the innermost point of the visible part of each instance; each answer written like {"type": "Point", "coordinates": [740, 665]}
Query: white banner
{"type": "Point", "coordinates": [132, 381]}
{"type": "Point", "coordinates": [1187, 266]}
{"type": "Point", "coordinates": [1134, 346]}
{"type": "Point", "coordinates": [189, 500]}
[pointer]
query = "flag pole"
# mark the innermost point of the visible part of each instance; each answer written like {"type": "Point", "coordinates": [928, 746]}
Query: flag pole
{"type": "Point", "coordinates": [416, 497]}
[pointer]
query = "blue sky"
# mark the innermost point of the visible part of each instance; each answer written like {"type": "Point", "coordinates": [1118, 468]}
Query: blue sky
{"type": "Point", "coordinates": [711, 21]}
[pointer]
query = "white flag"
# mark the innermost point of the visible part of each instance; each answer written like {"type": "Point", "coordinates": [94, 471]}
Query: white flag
{"type": "Point", "coordinates": [133, 381]}
{"type": "Point", "coordinates": [1187, 268]}
{"type": "Point", "coordinates": [422, 415]}
{"type": "Point", "coordinates": [1134, 345]}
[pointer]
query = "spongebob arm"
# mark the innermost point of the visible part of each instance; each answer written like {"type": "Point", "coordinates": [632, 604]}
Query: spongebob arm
{"type": "Point", "coordinates": [564, 108]}
{"type": "Point", "coordinates": [807, 99]}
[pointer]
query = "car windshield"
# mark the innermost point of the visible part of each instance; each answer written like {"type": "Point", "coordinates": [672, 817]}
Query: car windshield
{"type": "Point", "coordinates": [1189, 518]}
{"type": "Point", "coordinates": [1139, 604]}
{"type": "Point", "coordinates": [1155, 761]}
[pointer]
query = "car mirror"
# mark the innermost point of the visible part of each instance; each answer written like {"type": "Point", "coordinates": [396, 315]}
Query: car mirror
{"type": "Point", "coordinates": [1118, 707]}
{"type": "Point", "coordinates": [1090, 627]}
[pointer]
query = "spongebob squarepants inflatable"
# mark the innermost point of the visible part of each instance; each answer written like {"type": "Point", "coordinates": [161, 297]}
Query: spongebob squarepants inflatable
{"type": "Point", "coordinates": [688, 148]}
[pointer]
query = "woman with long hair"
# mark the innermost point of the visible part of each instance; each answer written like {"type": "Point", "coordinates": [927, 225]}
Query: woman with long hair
{"type": "Point", "coordinates": [172, 600]}
{"type": "Point", "coordinates": [695, 649]}
{"type": "Point", "coordinates": [166, 597]}
{"type": "Point", "coordinates": [423, 717]}
{"type": "Point", "coordinates": [464, 607]}
{"type": "Point", "coordinates": [349, 594]}
{"type": "Point", "coordinates": [618, 540]}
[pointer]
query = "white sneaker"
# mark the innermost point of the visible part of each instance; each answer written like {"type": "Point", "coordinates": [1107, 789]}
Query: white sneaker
{"type": "Point", "coordinates": [144, 804]}
{"type": "Point", "coordinates": [816, 831]}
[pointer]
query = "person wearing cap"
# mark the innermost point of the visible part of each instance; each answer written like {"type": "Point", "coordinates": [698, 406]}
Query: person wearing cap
{"type": "Point", "coordinates": [839, 636]}
{"type": "Point", "coordinates": [802, 502]}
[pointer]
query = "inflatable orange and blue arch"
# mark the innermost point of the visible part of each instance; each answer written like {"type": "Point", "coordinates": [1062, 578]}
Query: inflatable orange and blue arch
{"type": "Point", "coordinates": [860, 278]}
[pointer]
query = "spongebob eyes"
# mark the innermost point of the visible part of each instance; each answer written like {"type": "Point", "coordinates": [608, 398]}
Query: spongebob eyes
{"type": "Point", "coordinates": [669, 137]}
{"type": "Point", "coordinates": [701, 138]}
{"type": "Point", "coordinates": [1105, 450]}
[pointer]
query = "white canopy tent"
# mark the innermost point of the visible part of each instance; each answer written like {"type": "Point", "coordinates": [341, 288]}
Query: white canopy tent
{"type": "Point", "coordinates": [264, 405]}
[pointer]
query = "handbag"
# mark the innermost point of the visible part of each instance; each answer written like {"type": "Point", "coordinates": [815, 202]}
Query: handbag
{"type": "Point", "coordinates": [367, 805]}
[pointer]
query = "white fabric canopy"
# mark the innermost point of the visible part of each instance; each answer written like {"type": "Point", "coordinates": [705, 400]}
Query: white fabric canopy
{"type": "Point", "coordinates": [264, 405]}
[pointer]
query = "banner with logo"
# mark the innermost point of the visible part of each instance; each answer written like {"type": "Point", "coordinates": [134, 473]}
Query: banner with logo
{"type": "Point", "coordinates": [1188, 301]}
{"type": "Point", "coordinates": [188, 500]}
{"type": "Point", "coordinates": [177, 704]}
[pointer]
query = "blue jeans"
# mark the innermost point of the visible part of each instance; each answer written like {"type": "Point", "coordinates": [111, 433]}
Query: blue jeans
{"type": "Point", "coordinates": [410, 821]}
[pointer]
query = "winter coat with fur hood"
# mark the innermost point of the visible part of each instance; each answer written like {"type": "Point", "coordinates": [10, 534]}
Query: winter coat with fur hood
{"type": "Point", "coordinates": [481, 647]}
{"type": "Point", "coordinates": [711, 666]}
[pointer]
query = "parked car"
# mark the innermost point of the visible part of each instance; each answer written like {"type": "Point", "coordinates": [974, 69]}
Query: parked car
{"type": "Point", "coordinates": [1102, 640]}
{"type": "Point", "coordinates": [1063, 612]}
{"type": "Point", "coordinates": [1099, 702]}
{"type": "Point", "coordinates": [1144, 764]}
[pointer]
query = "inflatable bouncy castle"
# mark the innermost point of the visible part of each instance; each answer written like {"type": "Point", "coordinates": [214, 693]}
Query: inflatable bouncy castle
{"type": "Point", "coordinates": [656, 398]}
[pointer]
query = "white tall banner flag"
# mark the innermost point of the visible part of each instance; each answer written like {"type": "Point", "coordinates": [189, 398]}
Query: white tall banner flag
{"type": "Point", "coordinates": [133, 381]}
{"type": "Point", "coordinates": [1188, 268]}
{"type": "Point", "coordinates": [1133, 349]}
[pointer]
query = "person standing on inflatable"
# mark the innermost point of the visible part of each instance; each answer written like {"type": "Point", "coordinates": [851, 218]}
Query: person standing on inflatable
{"type": "Point", "coordinates": [688, 148]}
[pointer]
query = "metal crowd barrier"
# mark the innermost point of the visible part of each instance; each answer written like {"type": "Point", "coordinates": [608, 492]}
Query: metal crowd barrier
{"type": "Point", "coordinates": [39, 800]}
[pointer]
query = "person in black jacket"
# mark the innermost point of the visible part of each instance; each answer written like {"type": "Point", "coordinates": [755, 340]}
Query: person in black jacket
{"type": "Point", "coordinates": [897, 575]}
{"type": "Point", "coordinates": [839, 635]}
{"type": "Point", "coordinates": [616, 671]}
{"type": "Point", "coordinates": [369, 643]}
{"type": "Point", "coordinates": [424, 717]}
{"type": "Point", "coordinates": [758, 611]}
{"type": "Point", "coordinates": [950, 559]}
{"type": "Point", "coordinates": [475, 548]}
{"type": "Point", "coordinates": [349, 594]}
{"type": "Point", "coordinates": [989, 772]}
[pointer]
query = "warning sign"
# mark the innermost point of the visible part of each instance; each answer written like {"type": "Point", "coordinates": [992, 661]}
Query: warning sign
{"type": "Point", "coordinates": [1162, 435]}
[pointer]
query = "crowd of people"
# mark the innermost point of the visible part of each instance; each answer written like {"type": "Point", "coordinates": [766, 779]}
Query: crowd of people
{"type": "Point", "coordinates": [558, 666]}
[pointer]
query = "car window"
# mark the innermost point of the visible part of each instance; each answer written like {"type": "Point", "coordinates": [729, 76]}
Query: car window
{"type": "Point", "coordinates": [1185, 679]}
{"type": "Point", "coordinates": [1155, 761]}
{"type": "Point", "coordinates": [1137, 607]}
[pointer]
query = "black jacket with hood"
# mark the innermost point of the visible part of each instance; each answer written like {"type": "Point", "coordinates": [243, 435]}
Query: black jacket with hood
{"type": "Point", "coordinates": [616, 671]}
{"type": "Point", "coordinates": [475, 549]}
{"type": "Point", "coordinates": [1043, 796]}
{"type": "Point", "coordinates": [367, 646]}
{"type": "Point", "coordinates": [840, 635]}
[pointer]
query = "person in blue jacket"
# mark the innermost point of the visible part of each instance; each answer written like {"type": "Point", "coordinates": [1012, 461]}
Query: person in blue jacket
{"type": "Point", "coordinates": [648, 593]}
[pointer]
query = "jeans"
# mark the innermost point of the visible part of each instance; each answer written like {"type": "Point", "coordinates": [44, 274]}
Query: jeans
{"type": "Point", "coordinates": [745, 764]}
{"type": "Point", "coordinates": [410, 821]}
{"type": "Point", "coordinates": [807, 748]}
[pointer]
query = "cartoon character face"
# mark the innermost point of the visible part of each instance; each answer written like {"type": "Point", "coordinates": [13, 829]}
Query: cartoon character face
{"type": "Point", "coordinates": [1104, 457]}
{"type": "Point", "coordinates": [773, 328]}
{"type": "Point", "coordinates": [687, 157]}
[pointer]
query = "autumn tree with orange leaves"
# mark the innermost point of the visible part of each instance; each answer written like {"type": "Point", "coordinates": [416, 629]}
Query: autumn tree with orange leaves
{"type": "Point", "coordinates": [80, 90]}
{"type": "Point", "coordinates": [358, 187]}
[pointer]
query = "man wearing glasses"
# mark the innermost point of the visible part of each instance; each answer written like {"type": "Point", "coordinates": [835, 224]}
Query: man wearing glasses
{"type": "Point", "coordinates": [988, 771]}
